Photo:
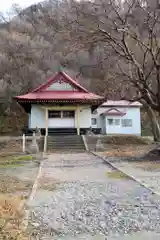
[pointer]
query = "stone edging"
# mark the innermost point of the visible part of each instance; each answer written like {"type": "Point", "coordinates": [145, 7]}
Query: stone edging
{"type": "Point", "coordinates": [85, 143]}
{"type": "Point", "coordinates": [128, 175]}
{"type": "Point", "coordinates": [31, 197]}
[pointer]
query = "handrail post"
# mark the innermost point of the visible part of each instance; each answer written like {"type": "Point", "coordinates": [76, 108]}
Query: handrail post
{"type": "Point", "coordinates": [45, 144]}
{"type": "Point", "coordinates": [23, 143]}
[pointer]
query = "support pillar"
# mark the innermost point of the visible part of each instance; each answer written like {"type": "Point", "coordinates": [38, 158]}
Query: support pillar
{"type": "Point", "coordinates": [46, 127]}
{"type": "Point", "coordinates": [46, 118]}
{"type": "Point", "coordinates": [78, 122]}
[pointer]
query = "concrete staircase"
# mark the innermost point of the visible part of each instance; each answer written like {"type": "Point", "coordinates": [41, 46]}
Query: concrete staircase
{"type": "Point", "coordinates": [70, 143]}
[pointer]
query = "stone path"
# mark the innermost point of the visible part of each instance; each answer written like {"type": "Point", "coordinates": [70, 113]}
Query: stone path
{"type": "Point", "coordinates": [86, 204]}
{"type": "Point", "coordinates": [150, 179]}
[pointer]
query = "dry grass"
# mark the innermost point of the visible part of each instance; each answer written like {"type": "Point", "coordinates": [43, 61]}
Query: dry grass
{"type": "Point", "coordinates": [147, 165]}
{"type": "Point", "coordinates": [127, 139]}
{"type": "Point", "coordinates": [127, 150]}
{"type": "Point", "coordinates": [11, 161]}
{"type": "Point", "coordinates": [13, 185]}
{"type": "Point", "coordinates": [116, 175]}
{"type": "Point", "coordinates": [11, 146]}
{"type": "Point", "coordinates": [119, 140]}
{"type": "Point", "coordinates": [4, 159]}
{"type": "Point", "coordinates": [13, 193]}
{"type": "Point", "coordinates": [11, 216]}
{"type": "Point", "coordinates": [11, 207]}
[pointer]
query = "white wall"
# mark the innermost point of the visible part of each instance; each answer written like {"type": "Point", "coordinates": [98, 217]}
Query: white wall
{"type": "Point", "coordinates": [85, 117]}
{"type": "Point", "coordinates": [135, 129]}
{"type": "Point", "coordinates": [100, 120]}
{"type": "Point", "coordinates": [131, 113]}
{"type": "Point", "coordinates": [37, 118]}
{"type": "Point", "coordinates": [61, 123]}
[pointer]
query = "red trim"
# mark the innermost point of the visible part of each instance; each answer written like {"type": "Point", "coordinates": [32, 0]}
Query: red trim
{"type": "Point", "coordinates": [66, 78]}
{"type": "Point", "coordinates": [60, 101]}
{"type": "Point", "coordinates": [120, 106]}
{"type": "Point", "coordinates": [116, 113]}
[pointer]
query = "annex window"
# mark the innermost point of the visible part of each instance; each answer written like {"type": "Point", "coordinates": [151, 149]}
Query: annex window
{"type": "Point", "coordinates": [126, 122]}
{"type": "Point", "coordinates": [54, 114]}
{"type": "Point", "coordinates": [117, 122]}
{"type": "Point", "coordinates": [110, 121]}
{"type": "Point", "coordinates": [94, 121]}
{"type": "Point", "coordinates": [113, 122]}
{"type": "Point", "coordinates": [68, 114]}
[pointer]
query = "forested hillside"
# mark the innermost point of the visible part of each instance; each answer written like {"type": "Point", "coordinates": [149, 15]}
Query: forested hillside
{"type": "Point", "coordinates": [110, 47]}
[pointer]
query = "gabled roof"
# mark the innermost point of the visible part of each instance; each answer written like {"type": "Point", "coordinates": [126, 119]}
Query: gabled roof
{"type": "Point", "coordinates": [113, 112]}
{"type": "Point", "coordinates": [66, 79]}
{"type": "Point", "coordinates": [76, 94]}
{"type": "Point", "coordinates": [121, 103]}
{"type": "Point", "coordinates": [60, 95]}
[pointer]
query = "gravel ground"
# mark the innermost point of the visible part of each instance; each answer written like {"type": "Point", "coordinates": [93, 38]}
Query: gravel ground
{"type": "Point", "coordinates": [25, 171]}
{"type": "Point", "coordinates": [87, 203]}
{"type": "Point", "coordinates": [18, 180]}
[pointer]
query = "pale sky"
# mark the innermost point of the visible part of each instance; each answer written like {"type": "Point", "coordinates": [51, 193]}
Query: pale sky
{"type": "Point", "coordinates": [5, 5]}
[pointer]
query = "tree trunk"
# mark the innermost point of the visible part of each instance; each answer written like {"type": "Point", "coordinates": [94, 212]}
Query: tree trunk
{"type": "Point", "coordinates": [154, 154]}
{"type": "Point", "coordinates": [154, 123]}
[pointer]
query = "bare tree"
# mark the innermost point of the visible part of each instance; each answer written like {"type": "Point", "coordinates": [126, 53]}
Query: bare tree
{"type": "Point", "coordinates": [128, 33]}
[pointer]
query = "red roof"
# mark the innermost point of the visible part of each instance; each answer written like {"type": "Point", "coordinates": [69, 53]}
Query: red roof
{"type": "Point", "coordinates": [41, 93]}
{"type": "Point", "coordinates": [58, 95]}
{"type": "Point", "coordinates": [121, 103]}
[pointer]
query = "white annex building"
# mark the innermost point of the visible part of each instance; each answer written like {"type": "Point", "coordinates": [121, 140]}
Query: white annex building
{"type": "Point", "coordinates": [63, 106]}
{"type": "Point", "coordinates": [118, 117]}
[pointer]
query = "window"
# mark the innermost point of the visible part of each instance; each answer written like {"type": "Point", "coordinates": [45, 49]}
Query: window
{"type": "Point", "coordinates": [94, 121]}
{"type": "Point", "coordinates": [110, 121]}
{"type": "Point", "coordinates": [61, 114]}
{"type": "Point", "coordinates": [126, 122]}
{"type": "Point", "coordinates": [113, 122]}
{"type": "Point", "coordinates": [117, 122]}
{"type": "Point", "coordinates": [68, 114]}
{"type": "Point", "coordinates": [54, 114]}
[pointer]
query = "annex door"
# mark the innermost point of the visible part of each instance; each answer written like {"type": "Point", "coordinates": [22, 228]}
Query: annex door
{"type": "Point", "coordinates": [61, 119]}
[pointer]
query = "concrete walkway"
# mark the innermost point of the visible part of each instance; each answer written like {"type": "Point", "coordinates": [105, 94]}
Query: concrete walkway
{"type": "Point", "coordinates": [76, 199]}
{"type": "Point", "coordinates": [135, 236]}
{"type": "Point", "coordinates": [148, 179]}
{"type": "Point", "coordinates": [139, 236]}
